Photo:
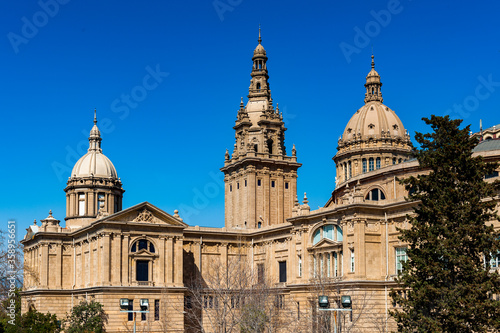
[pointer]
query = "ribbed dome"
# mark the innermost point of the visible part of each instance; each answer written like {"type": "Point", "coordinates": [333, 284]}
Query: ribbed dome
{"type": "Point", "coordinates": [94, 164]}
{"type": "Point", "coordinates": [373, 120]}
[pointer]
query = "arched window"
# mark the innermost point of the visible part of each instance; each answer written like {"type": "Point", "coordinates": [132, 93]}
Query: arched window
{"type": "Point", "coordinates": [375, 195]}
{"type": "Point", "coordinates": [142, 244]}
{"type": "Point", "coordinates": [142, 256]}
{"type": "Point", "coordinates": [270, 146]}
{"type": "Point", "coordinates": [370, 164]}
{"type": "Point", "coordinates": [364, 165]}
{"type": "Point", "coordinates": [345, 171]}
{"type": "Point", "coordinates": [378, 163]}
{"type": "Point", "coordinates": [350, 169]}
{"type": "Point", "coordinates": [327, 231]}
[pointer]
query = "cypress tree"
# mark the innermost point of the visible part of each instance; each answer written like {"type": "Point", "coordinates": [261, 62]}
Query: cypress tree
{"type": "Point", "coordinates": [447, 284]}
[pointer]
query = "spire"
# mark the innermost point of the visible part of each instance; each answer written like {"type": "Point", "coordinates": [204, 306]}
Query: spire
{"type": "Point", "coordinates": [373, 85]}
{"type": "Point", "coordinates": [259, 87]}
{"type": "Point", "coordinates": [95, 136]}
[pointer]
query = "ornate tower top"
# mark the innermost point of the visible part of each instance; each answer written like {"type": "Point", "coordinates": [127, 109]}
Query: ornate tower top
{"type": "Point", "coordinates": [259, 163]}
{"type": "Point", "coordinates": [93, 189]}
{"type": "Point", "coordinates": [373, 85]}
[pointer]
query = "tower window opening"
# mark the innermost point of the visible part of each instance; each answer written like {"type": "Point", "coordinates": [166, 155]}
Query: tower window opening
{"type": "Point", "coordinates": [256, 148]}
{"type": "Point", "coordinates": [230, 188]}
{"type": "Point", "coordinates": [373, 91]}
{"type": "Point", "coordinates": [260, 64]}
{"type": "Point", "coordinates": [270, 146]}
{"type": "Point", "coordinates": [370, 164]}
{"type": "Point", "coordinates": [81, 204]}
{"type": "Point", "coordinates": [273, 183]}
{"type": "Point", "coordinates": [258, 86]}
{"type": "Point", "coordinates": [286, 186]}
{"type": "Point", "coordinates": [393, 160]}
{"type": "Point", "coordinates": [245, 183]}
{"type": "Point", "coordinates": [259, 225]}
{"type": "Point", "coordinates": [238, 186]}
{"type": "Point", "coordinates": [100, 201]}
{"type": "Point", "coordinates": [259, 182]}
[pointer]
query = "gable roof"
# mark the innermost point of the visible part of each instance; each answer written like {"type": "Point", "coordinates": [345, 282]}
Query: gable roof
{"type": "Point", "coordinates": [144, 213]}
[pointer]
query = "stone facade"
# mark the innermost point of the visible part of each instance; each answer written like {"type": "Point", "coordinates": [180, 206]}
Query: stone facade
{"type": "Point", "coordinates": [348, 247]}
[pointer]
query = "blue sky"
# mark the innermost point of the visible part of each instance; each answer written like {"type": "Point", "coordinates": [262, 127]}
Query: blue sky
{"type": "Point", "coordinates": [63, 59]}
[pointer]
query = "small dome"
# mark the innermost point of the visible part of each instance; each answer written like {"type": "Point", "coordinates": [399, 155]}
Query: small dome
{"type": "Point", "coordinates": [374, 120]}
{"type": "Point", "coordinates": [94, 164]}
{"type": "Point", "coordinates": [259, 50]}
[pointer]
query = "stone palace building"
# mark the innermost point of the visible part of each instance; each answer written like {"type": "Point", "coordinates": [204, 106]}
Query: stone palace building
{"type": "Point", "coordinates": [272, 246]}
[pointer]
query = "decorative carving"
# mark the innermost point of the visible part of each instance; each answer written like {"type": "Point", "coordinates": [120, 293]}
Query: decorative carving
{"type": "Point", "coordinates": [146, 216]}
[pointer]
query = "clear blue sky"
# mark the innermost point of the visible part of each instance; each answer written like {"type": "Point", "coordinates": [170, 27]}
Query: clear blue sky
{"type": "Point", "coordinates": [59, 63]}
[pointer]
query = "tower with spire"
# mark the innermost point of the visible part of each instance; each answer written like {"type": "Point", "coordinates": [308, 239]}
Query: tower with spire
{"type": "Point", "coordinates": [260, 179]}
{"type": "Point", "coordinates": [93, 190]}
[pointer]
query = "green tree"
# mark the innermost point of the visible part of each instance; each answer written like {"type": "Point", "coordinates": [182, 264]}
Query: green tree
{"type": "Point", "coordinates": [31, 321]}
{"type": "Point", "coordinates": [86, 317]}
{"type": "Point", "coordinates": [447, 279]}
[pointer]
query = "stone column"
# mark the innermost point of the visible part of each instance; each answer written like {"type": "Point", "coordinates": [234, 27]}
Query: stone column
{"type": "Point", "coordinates": [106, 259]}
{"type": "Point", "coordinates": [178, 264]}
{"type": "Point", "coordinates": [44, 278]}
{"type": "Point", "coordinates": [161, 262]}
{"type": "Point", "coordinates": [125, 261]}
{"type": "Point", "coordinates": [58, 268]}
{"type": "Point", "coordinates": [170, 260]}
{"type": "Point", "coordinates": [116, 251]}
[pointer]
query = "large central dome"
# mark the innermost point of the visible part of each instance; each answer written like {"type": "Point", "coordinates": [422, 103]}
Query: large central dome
{"type": "Point", "coordinates": [94, 163]}
{"type": "Point", "coordinates": [374, 136]}
{"type": "Point", "coordinates": [373, 120]}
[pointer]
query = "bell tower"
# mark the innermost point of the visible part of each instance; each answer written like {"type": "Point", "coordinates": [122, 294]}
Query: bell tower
{"type": "Point", "coordinates": [260, 179]}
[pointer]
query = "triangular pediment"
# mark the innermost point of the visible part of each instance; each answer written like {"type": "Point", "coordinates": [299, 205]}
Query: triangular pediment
{"type": "Point", "coordinates": [325, 242]}
{"type": "Point", "coordinates": [145, 213]}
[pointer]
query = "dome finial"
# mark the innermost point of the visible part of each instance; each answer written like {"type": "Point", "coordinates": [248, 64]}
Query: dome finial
{"type": "Point", "coordinates": [95, 116]}
{"type": "Point", "coordinates": [373, 61]}
{"type": "Point", "coordinates": [260, 39]}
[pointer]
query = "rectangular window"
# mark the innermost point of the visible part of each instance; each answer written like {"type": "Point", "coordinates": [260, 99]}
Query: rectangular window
{"type": "Point", "coordinates": [352, 260]}
{"type": "Point", "coordinates": [260, 273]}
{"type": "Point", "coordinates": [335, 265]}
{"type": "Point", "coordinates": [245, 183]}
{"type": "Point", "coordinates": [280, 301]}
{"type": "Point", "coordinates": [81, 204]}
{"type": "Point", "coordinates": [157, 309]}
{"type": "Point", "coordinates": [238, 186]}
{"type": "Point", "coordinates": [315, 266]}
{"type": "Point", "coordinates": [282, 267]}
{"type": "Point", "coordinates": [130, 308]}
{"type": "Point", "coordinates": [286, 186]}
{"type": "Point", "coordinates": [328, 264]}
{"type": "Point", "coordinates": [401, 257]}
{"type": "Point", "coordinates": [230, 188]}
{"type": "Point", "coordinates": [258, 182]}
{"type": "Point", "coordinates": [300, 265]}
{"type": "Point", "coordinates": [364, 165]}
{"type": "Point", "coordinates": [491, 175]}
{"type": "Point", "coordinates": [321, 266]}
{"type": "Point", "coordinates": [188, 302]}
{"type": "Point", "coordinates": [272, 183]}
{"type": "Point", "coordinates": [142, 270]}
